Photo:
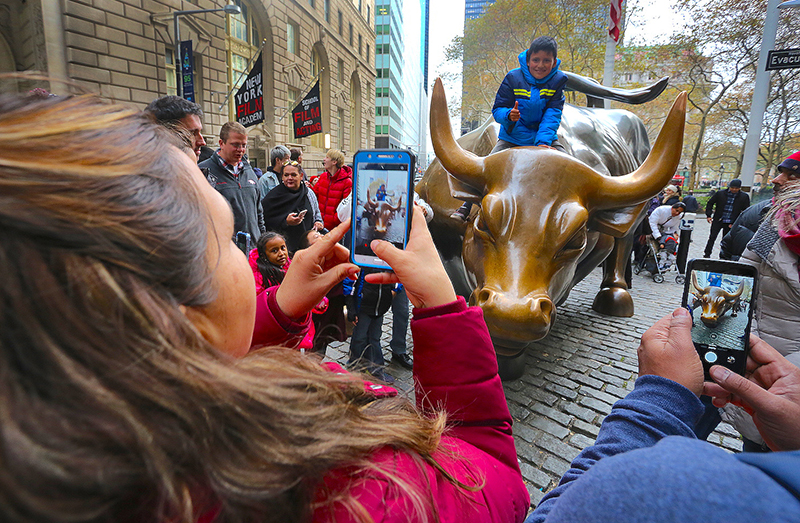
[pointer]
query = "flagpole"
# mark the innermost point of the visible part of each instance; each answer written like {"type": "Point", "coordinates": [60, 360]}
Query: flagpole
{"type": "Point", "coordinates": [291, 105]}
{"type": "Point", "coordinates": [614, 21]}
{"type": "Point", "coordinates": [246, 71]}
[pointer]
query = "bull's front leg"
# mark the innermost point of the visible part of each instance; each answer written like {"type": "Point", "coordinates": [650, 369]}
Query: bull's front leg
{"type": "Point", "coordinates": [613, 299]}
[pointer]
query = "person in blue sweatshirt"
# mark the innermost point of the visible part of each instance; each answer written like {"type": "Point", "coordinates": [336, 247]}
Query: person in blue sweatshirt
{"type": "Point", "coordinates": [647, 465]}
{"type": "Point", "coordinates": [529, 103]}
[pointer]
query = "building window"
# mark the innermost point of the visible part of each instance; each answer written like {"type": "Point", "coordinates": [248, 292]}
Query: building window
{"type": "Point", "coordinates": [242, 26]}
{"type": "Point", "coordinates": [369, 21]}
{"type": "Point", "coordinates": [292, 38]}
{"type": "Point", "coordinates": [350, 27]}
{"type": "Point", "coordinates": [312, 4]}
{"type": "Point", "coordinates": [367, 52]}
{"type": "Point", "coordinates": [341, 26]}
{"type": "Point", "coordinates": [244, 42]}
{"type": "Point", "coordinates": [359, 45]}
{"type": "Point", "coordinates": [340, 131]}
{"type": "Point", "coordinates": [169, 60]}
{"type": "Point", "coordinates": [340, 72]}
{"type": "Point", "coordinates": [328, 11]}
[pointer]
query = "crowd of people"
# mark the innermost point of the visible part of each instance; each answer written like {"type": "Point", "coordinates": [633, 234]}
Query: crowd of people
{"type": "Point", "coordinates": [150, 373]}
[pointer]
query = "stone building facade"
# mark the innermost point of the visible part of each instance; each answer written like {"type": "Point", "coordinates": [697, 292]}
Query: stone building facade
{"type": "Point", "coordinates": [123, 50]}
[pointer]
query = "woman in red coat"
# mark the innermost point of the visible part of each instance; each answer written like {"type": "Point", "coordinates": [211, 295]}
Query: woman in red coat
{"type": "Point", "coordinates": [333, 186]}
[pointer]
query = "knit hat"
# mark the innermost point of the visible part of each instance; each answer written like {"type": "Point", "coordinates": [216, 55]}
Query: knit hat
{"type": "Point", "coordinates": [792, 162]}
{"type": "Point", "coordinates": [671, 188]}
{"type": "Point", "coordinates": [736, 182]}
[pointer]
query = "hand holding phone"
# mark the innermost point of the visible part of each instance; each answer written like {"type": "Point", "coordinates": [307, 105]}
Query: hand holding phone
{"type": "Point", "coordinates": [382, 200]}
{"type": "Point", "coordinates": [418, 267]}
{"type": "Point", "coordinates": [770, 393]}
{"type": "Point", "coordinates": [303, 213]}
{"type": "Point", "coordinates": [720, 297]}
{"type": "Point", "coordinates": [294, 219]}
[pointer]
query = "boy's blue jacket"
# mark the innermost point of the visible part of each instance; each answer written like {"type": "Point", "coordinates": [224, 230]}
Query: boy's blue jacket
{"type": "Point", "coordinates": [540, 104]}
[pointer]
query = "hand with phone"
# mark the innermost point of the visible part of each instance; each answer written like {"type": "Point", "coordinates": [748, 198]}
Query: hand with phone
{"type": "Point", "coordinates": [295, 218]}
{"type": "Point", "coordinates": [417, 267]}
{"type": "Point", "coordinates": [667, 350]}
{"type": "Point", "coordinates": [313, 272]}
{"type": "Point", "coordinates": [769, 392]}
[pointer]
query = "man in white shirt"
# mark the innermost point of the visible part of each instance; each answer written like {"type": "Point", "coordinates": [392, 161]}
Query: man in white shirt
{"type": "Point", "coordinates": [664, 222]}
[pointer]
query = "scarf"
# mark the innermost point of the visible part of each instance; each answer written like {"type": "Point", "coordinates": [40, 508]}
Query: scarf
{"type": "Point", "coordinates": [279, 203]}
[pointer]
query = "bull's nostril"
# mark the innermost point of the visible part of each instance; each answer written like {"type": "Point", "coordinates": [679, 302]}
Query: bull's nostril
{"type": "Point", "coordinates": [543, 306]}
{"type": "Point", "coordinates": [484, 297]}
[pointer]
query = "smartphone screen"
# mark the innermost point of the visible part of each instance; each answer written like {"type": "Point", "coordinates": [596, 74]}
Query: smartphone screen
{"type": "Point", "coordinates": [382, 183]}
{"type": "Point", "coordinates": [719, 295]}
{"type": "Point", "coordinates": [243, 242]}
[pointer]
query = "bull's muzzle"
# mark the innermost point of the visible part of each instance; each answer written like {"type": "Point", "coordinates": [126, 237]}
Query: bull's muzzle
{"type": "Point", "coordinates": [517, 320]}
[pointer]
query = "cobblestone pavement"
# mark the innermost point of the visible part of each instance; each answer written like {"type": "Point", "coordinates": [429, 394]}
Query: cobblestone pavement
{"type": "Point", "coordinates": [586, 363]}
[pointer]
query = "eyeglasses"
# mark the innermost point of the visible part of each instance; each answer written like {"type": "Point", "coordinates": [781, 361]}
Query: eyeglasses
{"type": "Point", "coordinates": [292, 163]}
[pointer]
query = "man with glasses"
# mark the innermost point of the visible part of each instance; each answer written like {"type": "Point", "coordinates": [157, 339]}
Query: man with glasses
{"type": "Point", "coordinates": [229, 172]}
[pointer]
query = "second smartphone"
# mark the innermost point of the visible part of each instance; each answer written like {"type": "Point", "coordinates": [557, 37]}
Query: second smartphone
{"type": "Point", "coordinates": [720, 295]}
{"type": "Point", "coordinates": [383, 194]}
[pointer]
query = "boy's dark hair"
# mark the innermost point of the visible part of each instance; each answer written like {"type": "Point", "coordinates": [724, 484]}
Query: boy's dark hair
{"type": "Point", "coordinates": [543, 43]}
{"type": "Point", "coordinates": [272, 274]}
{"type": "Point", "coordinates": [171, 109]}
{"type": "Point", "coordinates": [679, 205]}
{"type": "Point", "coordinates": [295, 153]}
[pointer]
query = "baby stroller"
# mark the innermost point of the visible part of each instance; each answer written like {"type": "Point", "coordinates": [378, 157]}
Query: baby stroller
{"type": "Point", "coordinates": [658, 262]}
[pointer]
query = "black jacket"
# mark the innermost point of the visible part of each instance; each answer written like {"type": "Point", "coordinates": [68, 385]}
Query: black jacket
{"type": "Point", "coordinates": [691, 203]}
{"type": "Point", "coordinates": [369, 298]}
{"type": "Point", "coordinates": [241, 192]}
{"type": "Point", "coordinates": [716, 204]}
{"type": "Point", "coordinates": [743, 229]}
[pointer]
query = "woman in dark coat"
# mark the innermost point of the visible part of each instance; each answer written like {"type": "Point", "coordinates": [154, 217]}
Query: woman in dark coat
{"type": "Point", "coordinates": [291, 208]}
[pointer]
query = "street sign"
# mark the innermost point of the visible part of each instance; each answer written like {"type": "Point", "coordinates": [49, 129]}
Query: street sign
{"type": "Point", "coordinates": [187, 70]}
{"type": "Point", "coordinates": [783, 59]}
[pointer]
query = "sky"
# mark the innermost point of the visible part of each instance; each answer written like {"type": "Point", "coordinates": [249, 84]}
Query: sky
{"type": "Point", "coordinates": [653, 24]}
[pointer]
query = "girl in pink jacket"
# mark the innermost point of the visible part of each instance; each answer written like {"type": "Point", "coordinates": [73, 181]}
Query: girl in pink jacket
{"type": "Point", "coordinates": [129, 391]}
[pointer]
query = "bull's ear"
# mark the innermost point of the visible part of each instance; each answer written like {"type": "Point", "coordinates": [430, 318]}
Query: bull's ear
{"type": "Point", "coordinates": [461, 191]}
{"type": "Point", "coordinates": [617, 222]}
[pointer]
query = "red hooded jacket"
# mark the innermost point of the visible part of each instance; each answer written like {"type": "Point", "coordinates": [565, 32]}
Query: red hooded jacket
{"type": "Point", "coordinates": [331, 190]}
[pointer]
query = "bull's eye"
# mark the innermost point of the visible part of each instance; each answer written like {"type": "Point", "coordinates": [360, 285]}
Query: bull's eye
{"type": "Point", "coordinates": [576, 244]}
{"type": "Point", "coordinates": [482, 229]}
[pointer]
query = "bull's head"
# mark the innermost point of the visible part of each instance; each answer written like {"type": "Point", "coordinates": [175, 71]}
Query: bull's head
{"type": "Point", "coordinates": [715, 302]}
{"type": "Point", "coordinates": [538, 207]}
{"type": "Point", "coordinates": [380, 214]}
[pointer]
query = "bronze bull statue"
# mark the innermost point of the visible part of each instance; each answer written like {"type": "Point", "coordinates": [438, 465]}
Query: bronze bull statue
{"type": "Point", "coordinates": [715, 302]}
{"type": "Point", "coordinates": [380, 214]}
{"type": "Point", "coordinates": [545, 219]}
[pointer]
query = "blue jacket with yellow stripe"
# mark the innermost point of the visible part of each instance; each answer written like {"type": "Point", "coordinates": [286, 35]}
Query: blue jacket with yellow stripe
{"type": "Point", "coordinates": [540, 105]}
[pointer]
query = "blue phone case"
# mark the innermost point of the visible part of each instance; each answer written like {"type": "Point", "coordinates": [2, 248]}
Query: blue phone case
{"type": "Point", "coordinates": [383, 195]}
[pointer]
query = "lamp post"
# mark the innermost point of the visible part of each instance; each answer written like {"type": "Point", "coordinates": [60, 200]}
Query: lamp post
{"type": "Point", "coordinates": [761, 90]}
{"type": "Point", "coordinates": [229, 9]}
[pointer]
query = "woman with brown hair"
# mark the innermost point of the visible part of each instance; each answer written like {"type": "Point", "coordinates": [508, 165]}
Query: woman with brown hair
{"type": "Point", "coordinates": [126, 393]}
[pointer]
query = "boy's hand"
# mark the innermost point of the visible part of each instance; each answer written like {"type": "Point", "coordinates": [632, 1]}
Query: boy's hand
{"type": "Point", "coordinates": [514, 114]}
{"type": "Point", "coordinates": [769, 391]}
{"type": "Point", "coordinates": [667, 350]}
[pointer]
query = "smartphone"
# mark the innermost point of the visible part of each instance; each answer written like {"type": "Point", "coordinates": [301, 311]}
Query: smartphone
{"type": "Point", "coordinates": [719, 294]}
{"type": "Point", "coordinates": [383, 188]}
{"type": "Point", "coordinates": [243, 242]}
{"type": "Point", "coordinates": [302, 213]}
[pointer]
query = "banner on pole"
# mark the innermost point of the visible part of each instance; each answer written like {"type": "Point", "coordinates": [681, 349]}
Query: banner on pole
{"type": "Point", "coordinates": [187, 70]}
{"type": "Point", "coordinates": [250, 96]}
{"type": "Point", "coordinates": [307, 116]}
{"type": "Point", "coordinates": [616, 17]}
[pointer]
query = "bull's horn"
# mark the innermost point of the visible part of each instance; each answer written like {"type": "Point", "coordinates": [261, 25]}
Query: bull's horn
{"type": "Point", "coordinates": [694, 282]}
{"type": "Point", "coordinates": [738, 292]}
{"type": "Point", "coordinates": [657, 169]}
{"type": "Point", "coordinates": [465, 166]}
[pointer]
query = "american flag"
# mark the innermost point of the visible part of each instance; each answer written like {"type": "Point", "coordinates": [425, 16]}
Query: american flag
{"type": "Point", "coordinates": [616, 15]}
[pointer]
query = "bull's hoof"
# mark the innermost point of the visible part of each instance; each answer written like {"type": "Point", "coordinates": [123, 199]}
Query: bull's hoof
{"type": "Point", "coordinates": [613, 301]}
{"type": "Point", "coordinates": [511, 368]}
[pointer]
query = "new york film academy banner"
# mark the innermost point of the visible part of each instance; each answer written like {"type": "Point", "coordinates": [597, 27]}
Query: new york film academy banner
{"type": "Point", "coordinates": [250, 97]}
{"type": "Point", "coordinates": [307, 116]}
